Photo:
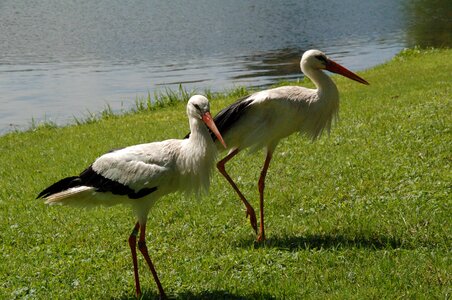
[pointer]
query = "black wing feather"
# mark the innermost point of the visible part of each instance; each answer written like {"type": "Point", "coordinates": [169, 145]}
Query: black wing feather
{"type": "Point", "coordinates": [59, 186]}
{"type": "Point", "coordinates": [89, 177]}
{"type": "Point", "coordinates": [227, 117]}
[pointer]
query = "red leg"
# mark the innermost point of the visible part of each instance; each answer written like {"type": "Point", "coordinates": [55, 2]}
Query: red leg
{"type": "Point", "coordinates": [144, 250]}
{"type": "Point", "coordinates": [133, 248]}
{"type": "Point", "coordinates": [261, 184]}
{"type": "Point", "coordinates": [249, 209]}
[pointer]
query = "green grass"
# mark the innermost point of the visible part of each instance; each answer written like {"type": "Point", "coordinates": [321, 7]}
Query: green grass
{"type": "Point", "coordinates": [363, 213]}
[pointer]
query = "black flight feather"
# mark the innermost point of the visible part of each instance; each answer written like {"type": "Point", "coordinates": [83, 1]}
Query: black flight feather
{"type": "Point", "coordinates": [89, 177]}
{"type": "Point", "coordinates": [59, 186]}
{"type": "Point", "coordinates": [227, 117]}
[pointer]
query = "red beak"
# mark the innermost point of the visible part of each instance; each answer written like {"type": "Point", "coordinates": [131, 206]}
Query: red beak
{"type": "Point", "coordinates": [207, 118]}
{"type": "Point", "coordinates": [337, 68]}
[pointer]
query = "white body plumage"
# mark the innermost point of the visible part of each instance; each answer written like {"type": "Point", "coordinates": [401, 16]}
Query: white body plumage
{"type": "Point", "coordinates": [158, 168]}
{"type": "Point", "coordinates": [277, 113]}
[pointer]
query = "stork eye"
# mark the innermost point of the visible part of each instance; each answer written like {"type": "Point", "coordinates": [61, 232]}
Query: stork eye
{"type": "Point", "coordinates": [321, 58]}
{"type": "Point", "coordinates": [197, 106]}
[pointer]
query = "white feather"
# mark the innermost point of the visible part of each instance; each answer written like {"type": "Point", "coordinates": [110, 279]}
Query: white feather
{"type": "Point", "coordinates": [169, 166]}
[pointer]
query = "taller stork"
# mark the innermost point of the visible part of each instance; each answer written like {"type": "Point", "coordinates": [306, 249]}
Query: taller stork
{"type": "Point", "coordinates": [262, 119]}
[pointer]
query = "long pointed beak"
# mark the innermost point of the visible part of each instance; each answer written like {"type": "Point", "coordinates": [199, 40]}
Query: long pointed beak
{"type": "Point", "coordinates": [207, 118]}
{"type": "Point", "coordinates": [337, 68]}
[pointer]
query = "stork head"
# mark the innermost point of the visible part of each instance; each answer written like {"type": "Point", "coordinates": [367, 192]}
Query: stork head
{"type": "Point", "coordinates": [317, 60]}
{"type": "Point", "coordinates": [198, 107]}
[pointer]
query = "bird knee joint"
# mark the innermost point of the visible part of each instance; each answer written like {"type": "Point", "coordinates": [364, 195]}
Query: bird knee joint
{"type": "Point", "coordinates": [134, 232]}
{"type": "Point", "coordinates": [133, 236]}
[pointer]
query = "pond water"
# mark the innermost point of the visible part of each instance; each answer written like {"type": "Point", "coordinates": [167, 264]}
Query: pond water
{"type": "Point", "coordinates": [61, 58]}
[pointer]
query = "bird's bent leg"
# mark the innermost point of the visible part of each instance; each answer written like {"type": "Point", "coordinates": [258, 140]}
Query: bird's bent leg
{"type": "Point", "coordinates": [133, 248]}
{"type": "Point", "coordinates": [144, 250]}
{"type": "Point", "coordinates": [261, 184]}
{"type": "Point", "coordinates": [249, 209]}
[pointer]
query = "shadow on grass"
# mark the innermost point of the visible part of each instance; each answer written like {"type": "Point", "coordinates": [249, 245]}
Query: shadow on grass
{"type": "Point", "coordinates": [206, 295]}
{"type": "Point", "coordinates": [329, 241]}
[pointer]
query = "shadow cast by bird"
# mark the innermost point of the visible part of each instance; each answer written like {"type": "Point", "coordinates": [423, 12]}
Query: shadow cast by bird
{"type": "Point", "coordinates": [204, 295]}
{"type": "Point", "coordinates": [329, 241]}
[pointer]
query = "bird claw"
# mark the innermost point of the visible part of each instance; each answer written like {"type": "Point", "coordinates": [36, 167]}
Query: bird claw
{"type": "Point", "coordinates": [250, 213]}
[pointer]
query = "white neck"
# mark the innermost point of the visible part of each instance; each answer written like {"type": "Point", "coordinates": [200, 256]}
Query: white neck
{"type": "Point", "coordinates": [323, 82]}
{"type": "Point", "coordinates": [199, 133]}
{"type": "Point", "coordinates": [198, 158]}
{"type": "Point", "coordinates": [200, 142]}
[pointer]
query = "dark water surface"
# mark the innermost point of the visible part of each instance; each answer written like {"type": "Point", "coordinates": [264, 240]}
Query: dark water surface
{"type": "Point", "coordinates": [61, 58]}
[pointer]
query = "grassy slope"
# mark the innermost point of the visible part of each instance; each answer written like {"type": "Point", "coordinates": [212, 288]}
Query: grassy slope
{"type": "Point", "coordinates": [364, 213]}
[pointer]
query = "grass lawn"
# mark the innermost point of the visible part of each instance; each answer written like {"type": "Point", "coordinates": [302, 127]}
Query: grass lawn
{"type": "Point", "coordinates": [364, 213]}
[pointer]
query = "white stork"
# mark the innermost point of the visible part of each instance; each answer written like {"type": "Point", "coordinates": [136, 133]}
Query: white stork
{"type": "Point", "coordinates": [264, 118]}
{"type": "Point", "coordinates": [139, 175]}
